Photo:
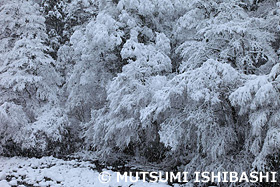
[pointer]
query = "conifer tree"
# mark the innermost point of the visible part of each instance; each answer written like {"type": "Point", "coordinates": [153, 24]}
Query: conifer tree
{"type": "Point", "coordinates": [28, 79]}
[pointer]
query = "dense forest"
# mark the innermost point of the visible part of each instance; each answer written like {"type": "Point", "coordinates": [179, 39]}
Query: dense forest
{"type": "Point", "coordinates": [183, 84]}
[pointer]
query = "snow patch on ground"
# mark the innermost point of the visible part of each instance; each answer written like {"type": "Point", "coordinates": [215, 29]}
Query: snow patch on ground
{"type": "Point", "coordinates": [50, 171]}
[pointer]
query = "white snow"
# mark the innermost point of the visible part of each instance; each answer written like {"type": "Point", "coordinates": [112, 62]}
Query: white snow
{"type": "Point", "coordinates": [4, 183]}
{"type": "Point", "coordinates": [50, 171]}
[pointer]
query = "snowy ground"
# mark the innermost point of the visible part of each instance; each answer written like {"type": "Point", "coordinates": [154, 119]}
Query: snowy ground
{"type": "Point", "coordinates": [52, 172]}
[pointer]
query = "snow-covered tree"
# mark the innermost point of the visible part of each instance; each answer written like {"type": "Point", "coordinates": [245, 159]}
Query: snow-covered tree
{"type": "Point", "coordinates": [200, 122]}
{"type": "Point", "coordinates": [28, 80]}
{"type": "Point", "coordinates": [95, 59]}
{"type": "Point", "coordinates": [62, 17]}
{"type": "Point", "coordinates": [128, 95]}
{"type": "Point", "coordinates": [224, 30]}
{"type": "Point", "coordinates": [259, 99]}
{"type": "Point", "coordinates": [143, 60]}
